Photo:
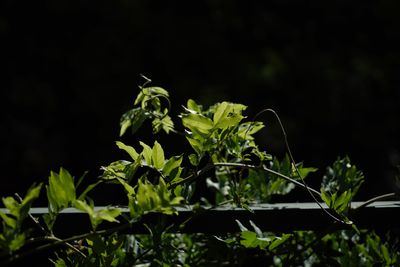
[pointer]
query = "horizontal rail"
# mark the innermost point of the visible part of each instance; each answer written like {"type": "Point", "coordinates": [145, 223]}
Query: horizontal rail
{"type": "Point", "coordinates": [280, 217]}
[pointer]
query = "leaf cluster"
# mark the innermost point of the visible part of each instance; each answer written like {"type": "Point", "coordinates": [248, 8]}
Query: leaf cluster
{"type": "Point", "coordinates": [236, 170]}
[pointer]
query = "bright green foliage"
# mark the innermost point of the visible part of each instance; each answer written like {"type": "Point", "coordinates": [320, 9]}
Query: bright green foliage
{"type": "Point", "coordinates": [149, 102]}
{"type": "Point", "coordinates": [61, 194]}
{"type": "Point", "coordinates": [152, 198]}
{"type": "Point", "coordinates": [340, 184]}
{"type": "Point", "coordinates": [60, 191]}
{"type": "Point", "coordinates": [13, 237]}
{"type": "Point", "coordinates": [97, 216]}
{"type": "Point", "coordinates": [235, 169]}
{"type": "Point", "coordinates": [215, 129]}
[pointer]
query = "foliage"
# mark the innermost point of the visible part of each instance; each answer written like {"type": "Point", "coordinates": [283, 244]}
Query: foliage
{"type": "Point", "coordinates": [236, 170]}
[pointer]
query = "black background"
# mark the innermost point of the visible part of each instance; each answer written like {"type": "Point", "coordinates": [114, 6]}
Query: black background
{"type": "Point", "coordinates": [71, 68]}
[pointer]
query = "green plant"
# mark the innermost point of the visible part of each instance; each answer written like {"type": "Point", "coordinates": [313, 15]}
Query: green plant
{"type": "Point", "coordinates": [237, 171]}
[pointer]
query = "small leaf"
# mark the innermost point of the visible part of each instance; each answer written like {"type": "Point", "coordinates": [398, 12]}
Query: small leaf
{"type": "Point", "coordinates": [17, 242]}
{"type": "Point", "coordinates": [133, 118]}
{"type": "Point", "coordinates": [147, 153]}
{"type": "Point", "coordinates": [10, 222]}
{"type": "Point", "coordinates": [249, 239]}
{"type": "Point", "coordinates": [192, 105]}
{"type": "Point", "coordinates": [171, 164]}
{"type": "Point", "coordinates": [194, 159]}
{"type": "Point", "coordinates": [157, 156]}
{"type": "Point", "coordinates": [130, 150]}
{"type": "Point", "coordinates": [279, 241]}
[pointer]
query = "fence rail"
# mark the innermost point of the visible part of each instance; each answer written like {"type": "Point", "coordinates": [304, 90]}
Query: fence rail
{"type": "Point", "coordinates": [382, 215]}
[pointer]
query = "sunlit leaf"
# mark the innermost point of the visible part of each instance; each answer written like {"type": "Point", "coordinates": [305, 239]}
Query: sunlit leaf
{"type": "Point", "coordinates": [192, 105]}
{"type": "Point", "coordinates": [147, 153]}
{"type": "Point", "coordinates": [197, 123]}
{"type": "Point", "coordinates": [228, 114]}
{"type": "Point", "coordinates": [130, 150]}
{"type": "Point", "coordinates": [157, 156]}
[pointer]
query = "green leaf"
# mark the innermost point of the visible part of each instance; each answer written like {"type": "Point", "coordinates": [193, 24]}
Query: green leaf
{"type": "Point", "coordinates": [197, 123]}
{"type": "Point", "coordinates": [171, 164]}
{"type": "Point", "coordinates": [147, 153]}
{"type": "Point", "coordinates": [194, 159]}
{"type": "Point", "coordinates": [158, 156]}
{"type": "Point", "coordinates": [10, 222]}
{"type": "Point", "coordinates": [165, 123]}
{"type": "Point", "coordinates": [17, 242]}
{"type": "Point", "coordinates": [97, 216]}
{"type": "Point", "coordinates": [192, 105]}
{"type": "Point", "coordinates": [60, 191]}
{"type": "Point", "coordinates": [12, 205]}
{"type": "Point", "coordinates": [304, 172]}
{"type": "Point", "coordinates": [130, 150]}
{"type": "Point", "coordinates": [31, 195]}
{"type": "Point", "coordinates": [279, 241]}
{"type": "Point", "coordinates": [133, 118]}
{"type": "Point", "coordinates": [196, 145]}
{"type": "Point", "coordinates": [249, 239]}
{"type": "Point", "coordinates": [326, 197]}
{"type": "Point", "coordinates": [228, 114]}
{"type": "Point", "coordinates": [128, 188]}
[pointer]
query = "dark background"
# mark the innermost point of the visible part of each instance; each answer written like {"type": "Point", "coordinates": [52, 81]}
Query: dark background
{"type": "Point", "coordinates": [71, 68]}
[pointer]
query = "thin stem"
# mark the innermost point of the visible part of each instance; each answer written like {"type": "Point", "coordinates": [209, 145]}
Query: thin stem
{"type": "Point", "coordinates": [294, 164]}
{"type": "Point", "coordinates": [377, 198]}
{"type": "Point", "coordinates": [208, 167]}
{"type": "Point", "coordinates": [263, 168]}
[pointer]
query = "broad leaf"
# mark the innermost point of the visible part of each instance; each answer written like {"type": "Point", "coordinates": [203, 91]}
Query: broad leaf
{"type": "Point", "coordinates": [197, 123]}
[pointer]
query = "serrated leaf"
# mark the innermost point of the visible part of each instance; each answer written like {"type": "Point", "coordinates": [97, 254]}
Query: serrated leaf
{"type": "Point", "coordinates": [130, 150]}
{"type": "Point", "coordinates": [157, 156]}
